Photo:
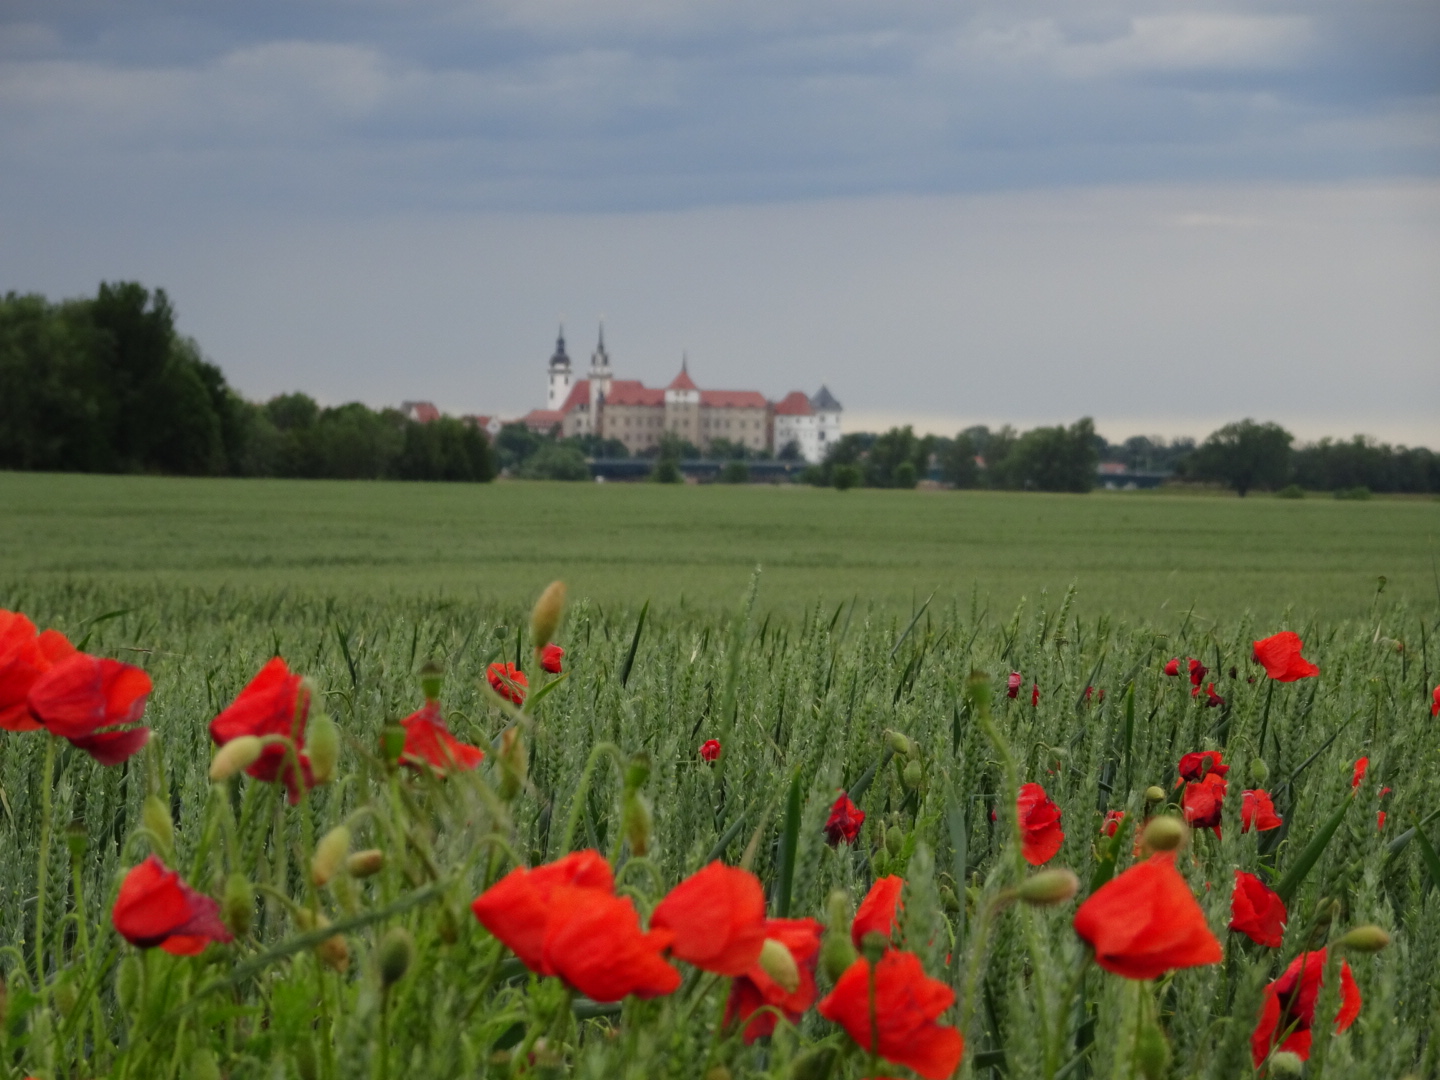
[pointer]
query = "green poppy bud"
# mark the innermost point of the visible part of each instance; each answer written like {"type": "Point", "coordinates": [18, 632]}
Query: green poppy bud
{"type": "Point", "coordinates": [545, 616]}
{"type": "Point", "coordinates": [367, 863]}
{"type": "Point", "coordinates": [392, 744]}
{"type": "Point", "coordinates": [637, 771]}
{"type": "Point", "coordinates": [203, 1065]}
{"type": "Point", "coordinates": [1365, 939]}
{"type": "Point", "coordinates": [397, 950]}
{"type": "Point", "coordinates": [1165, 833]}
{"type": "Point", "coordinates": [1152, 1052]}
{"type": "Point", "coordinates": [235, 756]}
{"type": "Point", "coordinates": [637, 821]}
{"type": "Point", "coordinates": [65, 994]}
{"type": "Point", "coordinates": [330, 855]}
{"type": "Point", "coordinates": [836, 954]}
{"type": "Point", "coordinates": [901, 744]}
{"type": "Point", "coordinates": [815, 1064]}
{"type": "Point", "coordinates": [1154, 794]}
{"type": "Point", "coordinates": [431, 677]}
{"type": "Point", "coordinates": [1286, 1063]}
{"type": "Point", "coordinates": [77, 839]}
{"type": "Point", "coordinates": [778, 962]}
{"type": "Point", "coordinates": [837, 908]}
{"type": "Point", "coordinates": [1048, 887]}
{"type": "Point", "coordinates": [894, 839]}
{"type": "Point", "coordinates": [322, 743]}
{"type": "Point", "coordinates": [873, 946]}
{"type": "Point", "coordinates": [239, 904]}
{"type": "Point", "coordinates": [912, 775]}
{"type": "Point", "coordinates": [1259, 771]}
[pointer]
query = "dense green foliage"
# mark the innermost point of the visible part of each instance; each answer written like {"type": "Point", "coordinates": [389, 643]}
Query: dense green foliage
{"type": "Point", "coordinates": [109, 385]}
{"type": "Point", "coordinates": [801, 703]}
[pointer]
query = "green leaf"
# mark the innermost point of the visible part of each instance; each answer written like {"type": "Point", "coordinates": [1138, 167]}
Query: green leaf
{"type": "Point", "coordinates": [1310, 854]}
{"type": "Point", "coordinates": [789, 839]}
{"type": "Point", "coordinates": [1432, 860]}
{"type": "Point", "coordinates": [1108, 853]}
{"type": "Point", "coordinates": [634, 645]}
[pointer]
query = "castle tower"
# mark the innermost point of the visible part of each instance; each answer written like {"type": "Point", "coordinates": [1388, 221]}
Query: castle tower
{"type": "Point", "coordinates": [682, 406]}
{"type": "Point", "coordinates": [559, 375]}
{"type": "Point", "coordinates": [600, 375]}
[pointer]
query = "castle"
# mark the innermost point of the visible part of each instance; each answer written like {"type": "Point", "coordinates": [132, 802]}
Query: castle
{"type": "Point", "coordinates": [638, 416]}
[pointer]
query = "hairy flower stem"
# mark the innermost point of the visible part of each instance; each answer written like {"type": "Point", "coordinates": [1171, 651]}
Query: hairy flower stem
{"type": "Point", "coordinates": [43, 867]}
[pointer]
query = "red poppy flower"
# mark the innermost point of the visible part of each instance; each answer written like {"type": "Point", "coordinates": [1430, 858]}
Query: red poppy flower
{"type": "Point", "coordinates": [1203, 802]}
{"type": "Point", "coordinates": [844, 821]}
{"type": "Point", "coordinates": [1012, 684]}
{"type": "Point", "coordinates": [1361, 766]}
{"type": "Point", "coordinates": [716, 918]}
{"type": "Point", "coordinates": [1090, 694]}
{"type": "Point", "coordinates": [550, 657]}
{"type": "Point", "coordinates": [1380, 820]}
{"type": "Point", "coordinates": [275, 702]}
{"type": "Point", "coordinates": [1145, 922]}
{"type": "Point", "coordinates": [1113, 818]}
{"type": "Point", "coordinates": [1435, 702]}
{"type": "Point", "coordinates": [1289, 1008]}
{"type": "Point", "coordinates": [93, 702]}
{"type": "Point", "coordinates": [1257, 811]}
{"type": "Point", "coordinates": [1172, 666]}
{"type": "Point", "coordinates": [876, 914]}
{"type": "Point", "coordinates": [1198, 672]}
{"type": "Point", "coordinates": [156, 908]}
{"type": "Point", "coordinates": [564, 920]}
{"type": "Point", "coordinates": [508, 681]}
{"type": "Point", "coordinates": [1040, 833]}
{"type": "Point", "coordinates": [24, 657]}
{"type": "Point", "coordinates": [907, 1004]}
{"type": "Point", "coordinates": [710, 750]}
{"type": "Point", "coordinates": [1280, 653]}
{"type": "Point", "coordinates": [1195, 766]}
{"type": "Point", "coordinates": [1035, 694]}
{"type": "Point", "coordinates": [429, 742]}
{"type": "Point", "coordinates": [1256, 911]}
{"type": "Point", "coordinates": [756, 989]}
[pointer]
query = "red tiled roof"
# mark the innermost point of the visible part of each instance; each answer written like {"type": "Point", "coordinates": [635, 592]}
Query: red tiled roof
{"type": "Point", "coordinates": [733, 399]}
{"type": "Point", "coordinates": [421, 411]}
{"type": "Point", "coordinates": [542, 419]}
{"type": "Point", "coordinates": [579, 395]}
{"type": "Point", "coordinates": [633, 392]}
{"type": "Point", "coordinates": [794, 403]}
{"type": "Point", "coordinates": [682, 381]}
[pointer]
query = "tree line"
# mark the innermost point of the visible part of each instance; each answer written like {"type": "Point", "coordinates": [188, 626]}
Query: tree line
{"type": "Point", "coordinates": [108, 385]}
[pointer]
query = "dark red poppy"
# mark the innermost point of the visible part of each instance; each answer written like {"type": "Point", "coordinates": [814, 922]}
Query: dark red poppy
{"type": "Point", "coordinates": [1435, 702]}
{"type": "Point", "coordinates": [1113, 818]}
{"type": "Point", "coordinates": [1198, 672]}
{"type": "Point", "coordinates": [1172, 666]}
{"type": "Point", "coordinates": [876, 914]}
{"type": "Point", "coordinates": [429, 742]}
{"type": "Point", "coordinates": [550, 657]}
{"type": "Point", "coordinates": [710, 750]}
{"type": "Point", "coordinates": [1040, 832]}
{"type": "Point", "coordinates": [1145, 922]}
{"type": "Point", "coordinates": [1288, 1012]}
{"type": "Point", "coordinates": [1204, 802]}
{"type": "Point", "coordinates": [156, 908]}
{"type": "Point", "coordinates": [1256, 911]}
{"type": "Point", "coordinates": [275, 702]}
{"type": "Point", "coordinates": [564, 920]}
{"type": "Point", "coordinates": [1195, 766]}
{"type": "Point", "coordinates": [94, 702]}
{"type": "Point", "coordinates": [844, 821]}
{"type": "Point", "coordinates": [24, 657]}
{"type": "Point", "coordinates": [1358, 774]}
{"type": "Point", "coordinates": [1012, 684]}
{"type": "Point", "coordinates": [716, 919]}
{"type": "Point", "coordinates": [508, 681]}
{"type": "Point", "coordinates": [1380, 816]}
{"type": "Point", "coordinates": [1280, 653]}
{"type": "Point", "coordinates": [1257, 811]}
{"type": "Point", "coordinates": [1035, 694]}
{"type": "Point", "coordinates": [907, 1004]}
{"type": "Point", "coordinates": [756, 989]}
{"type": "Point", "coordinates": [1092, 695]}
{"type": "Point", "coordinates": [1212, 699]}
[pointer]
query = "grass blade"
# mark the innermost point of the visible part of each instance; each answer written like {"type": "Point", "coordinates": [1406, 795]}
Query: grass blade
{"type": "Point", "coordinates": [634, 646]}
{"type": "Point", "coordinates": [1432, 860]}
{"type": "Point", "coordinates": [789, 839]}
{"type": "Point", "coordinates": [1310, 854]}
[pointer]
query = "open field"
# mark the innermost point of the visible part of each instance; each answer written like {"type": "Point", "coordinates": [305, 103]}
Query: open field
{"type": "Point", "coordinates": [1136, 556]}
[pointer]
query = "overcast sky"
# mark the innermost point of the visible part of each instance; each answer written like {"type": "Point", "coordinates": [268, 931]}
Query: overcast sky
{"type": "Point", "coordinates": [1165, 215]}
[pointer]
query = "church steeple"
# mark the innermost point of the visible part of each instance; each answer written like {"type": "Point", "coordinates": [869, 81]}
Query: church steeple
{"type": "Point", "coordinates": [557, 387]}
{"type": "Point", "coordinates": [560, 358]}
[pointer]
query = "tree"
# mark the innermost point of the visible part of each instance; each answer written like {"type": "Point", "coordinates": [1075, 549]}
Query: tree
{"type": "Point", "coordinates": [957, 462]}
{"type": "Point", "coordinates": [556, 461]}
{"type": "Point", "coordinates": [1052, 459]}
{"type": "Point", "coordinates": [1243, 456]}
{"type": "Point", "coordinates": [735, 472]}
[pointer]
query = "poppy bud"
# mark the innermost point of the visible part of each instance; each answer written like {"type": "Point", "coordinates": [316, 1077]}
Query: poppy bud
{"type": "Point", "coordinates": [397, 950]}
{"type": "Point", "coordinates": [545, 617]}
{"type": "Point", "coordinates": [76, 839]}
{"type": "Point", "coordinates": [814, 1064]}
{"type": "Point", "coordinates": [894, 839]}
{"type": "Point", "coordinates": [127, 982]}
{"type": "Point", "coordinates": [431, 676]}
{"type": "Point", "coordinates": [392, 743]}
{"type": "Point", "coordinates": [1365, 939]}
{"type": "Point", "coordinates": [1154, 794]}
{"type": "Point", "coordinates": [156, 817]}
{"type": "Point", "coordinates": [333, 952]}
{"type": "Point", "coordinates": [836, 954]}
{"type": "Point", "coordinates": [837, 908]}
{"type": "Point", "coordinates": [323, 745]}
{"type": "Point", "coordinates": [637, 821]}
{"type": "Point", "coordinates": [912, 775]}
{"type": "Point", "coordinates": [637, 771]}
{"type": "Point", "coordinates": [1049, 887]}
{"type": "Point", "coordinates": [329, 855]}
{"type": "Point", "coordinates": [977, 690]}
{"type": "Point", "coordinates": [1152, 1052]}
{"type": "Point", "coordinates": [1286, 1063]}
{"type": "Point", "coordinates": [367, 863]}
{"type": "Point", "coordinates": [203, 1065]}
{"type": "Point", "coordinates": [239, 904]}
{"type": "Point", "coordinates": [65, 995]}
{"type": "Point", "coordinates": [948, 898]}
{"type": "Point", "coordinates": [1164, 833]}
{"type": "Point", "coordinates": [447, 925]}
{"type": "Point", "coordinates": [873, 945]}
{"type": "Point", "coordinates": [901, 744]}
{"type": "Point", "coordinates": [514, 763]}
{"type": "Point", "coordinates": [778, 962]}
{"type": "Point", "coordinates": [235, 756]}
{"type": "Point", "coordinates": [1259, 771]}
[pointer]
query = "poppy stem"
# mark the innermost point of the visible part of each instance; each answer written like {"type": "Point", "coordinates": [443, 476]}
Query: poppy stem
{"type": "Point", "coordinates": [43, 867]}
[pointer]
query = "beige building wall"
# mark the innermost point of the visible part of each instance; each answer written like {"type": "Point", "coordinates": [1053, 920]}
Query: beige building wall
{"type": "Point", "coordinates": [639, 427]}
{"type": "Point", "coordinates": [748, 426]}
